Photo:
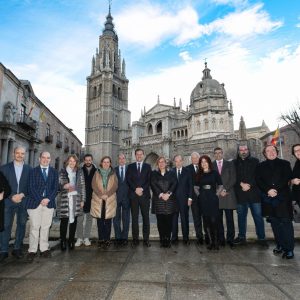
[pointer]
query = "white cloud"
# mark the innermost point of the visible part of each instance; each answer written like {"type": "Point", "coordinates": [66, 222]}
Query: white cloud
{"type": "Point", "coordinates": [251, 21]}
{"type": "Point", "coordinates": [185, 55]}
{"type": "Point", "coordinates": [148, 25]}
{"type": "Point", "coordinates": [231, 2]}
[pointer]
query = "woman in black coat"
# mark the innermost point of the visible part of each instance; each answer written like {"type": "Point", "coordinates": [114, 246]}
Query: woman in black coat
{"type": "Point", "coordinates": [4, 193]}
{"type": "Point", "coordinates": [273, 177]}
{"type": "Point", "coordinates": [163, 185]}
{"type": "Point", "coordinates": [210, 185]}
{"type": "Point", "coordinates": [296, 173]}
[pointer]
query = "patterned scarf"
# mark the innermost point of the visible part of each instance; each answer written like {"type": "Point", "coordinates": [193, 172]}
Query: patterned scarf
{"type": "Point", "coordinates": [104, 174]}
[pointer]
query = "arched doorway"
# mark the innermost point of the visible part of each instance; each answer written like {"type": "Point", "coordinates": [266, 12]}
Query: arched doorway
{"type": "Point", "coordinates": [151, 159]}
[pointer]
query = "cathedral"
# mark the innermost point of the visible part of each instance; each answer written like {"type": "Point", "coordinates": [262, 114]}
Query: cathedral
{"type": "Point", "coordinates": [164, 129]}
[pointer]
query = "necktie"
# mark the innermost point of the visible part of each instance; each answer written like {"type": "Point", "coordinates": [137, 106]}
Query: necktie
{"type": "Point", "coordinates": [219, 167]}
{"type": "Point", "coordinates": [122, 174]}
{"type": "Point", "coordinates": [44, 173]}
{"type": "Point", "coordinates": [196, 168]}
{"type": "Point", "coordinates": [139, 168]}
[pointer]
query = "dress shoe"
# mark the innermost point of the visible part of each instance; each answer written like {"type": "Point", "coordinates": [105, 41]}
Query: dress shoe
{"type": "Point", "coordinates": [46, 254]}
{"type": "Point", "coordinates": [200, 241]}
{"type": "Point", "coordinates": [186, 242]}
{"type": "Point", "coordinates": [222, 243]}
{"type": "Point", "coordinates": [277, 250]}
{"type": "Point", "coordinates": [100, 244]}
{"type": "Point", "coordinates": [174, 242]}
{"type": "Point", "coordinates": [207, 239]}
{"type": "Point", "coordinates": [135, 243]}
{"type": "Point", "coordinates": [63, 245]}
{"type": "Point", "coordinates": [3, 256]}
{"type": "Point", "coordinates": [263, 243]}
{"type": "Point", "coordinates": [147, 244]}
{"type": "Point", "coordinates": [106, 244]}
{"type": "Point", "coordinates": [124, 243]}
{"type": "Point", "coordinates": [17, 253]}
{"type": "Point", "coordinates": [71, 245]}
{"type": "Point", "coordinates": [230, 244]}
{"type": "Point", "coordinates": [30, 256]}
{"type": "Point", "coordinates": [239, 241]}
{"type": "Point", "coordinates": [288, 254]}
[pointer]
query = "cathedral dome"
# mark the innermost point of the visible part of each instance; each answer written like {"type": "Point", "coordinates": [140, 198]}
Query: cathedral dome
{"type": "Point", "coordinates": [208, 87]}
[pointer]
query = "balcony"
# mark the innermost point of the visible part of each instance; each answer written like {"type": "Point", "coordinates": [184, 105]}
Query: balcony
{"type": "Point", "coordinates": [67, 149]}
{"type": "Point", "coordinates": [58, 144]}
{"type": "Point", "coordinates": [26, 122]}
{"type": "Point", "coordinates": [49, 139]}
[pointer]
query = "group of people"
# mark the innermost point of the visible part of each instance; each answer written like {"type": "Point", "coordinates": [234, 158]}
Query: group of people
{"type": "Point", "coordinates": [211, 189]}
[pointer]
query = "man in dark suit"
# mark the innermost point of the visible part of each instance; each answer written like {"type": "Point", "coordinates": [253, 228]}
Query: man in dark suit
{"type": "Point", "coordinates": [183, 194]}
{"type": "Point", "coordinates": [227, 199]}
{"type": "Point", "coordinates": [196, 208]}
{"type": "Point", "coordinates": [43, 187]}
{"type": "Point", "coordinates": [123, 204]}
{"type": "Point", "coordinates": [138, 179]}
{"type": "Point", "coordinates": [17, 175]}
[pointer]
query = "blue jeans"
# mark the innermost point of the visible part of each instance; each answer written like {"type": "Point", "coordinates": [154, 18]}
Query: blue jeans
{"type": "Point", "coordinates": [9, 214]}
{"type": "Point", "coordinates": [122, 213]}
{"type": "Point", "coordinates": [283, 231]}
{"type": "Point", "coordinates": [242, 211]}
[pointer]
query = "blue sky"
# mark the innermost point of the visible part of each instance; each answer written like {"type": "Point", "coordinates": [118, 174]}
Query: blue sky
{"type": "Point", "coordinates": [251, 46]}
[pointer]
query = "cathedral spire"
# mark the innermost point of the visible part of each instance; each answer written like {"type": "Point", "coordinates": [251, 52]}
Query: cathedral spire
{"type": "Point", "coordinates": [206, 72]}
{"type": "Point", "coordinates": [109, 26]}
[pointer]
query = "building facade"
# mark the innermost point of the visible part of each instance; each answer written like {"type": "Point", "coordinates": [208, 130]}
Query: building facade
{"type": "Point", "coordinates": [107, 115]}
{"type": "Point", "coordinates": [164, 129]}
{"type": "Point", "coordinates": [26, 121]}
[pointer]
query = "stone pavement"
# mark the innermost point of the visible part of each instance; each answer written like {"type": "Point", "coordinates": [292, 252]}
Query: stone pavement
{"type": "Point", "coordinates": [181, 272]}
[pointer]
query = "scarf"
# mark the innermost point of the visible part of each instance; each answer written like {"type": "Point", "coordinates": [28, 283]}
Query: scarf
{"type": "Point", "coordinates": [72, 205]}
{"type": "Point", "coordinates": [104, 174]}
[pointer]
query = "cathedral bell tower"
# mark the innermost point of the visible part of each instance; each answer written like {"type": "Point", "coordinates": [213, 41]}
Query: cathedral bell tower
{"type": "Point", "coordinates": [107, 114]}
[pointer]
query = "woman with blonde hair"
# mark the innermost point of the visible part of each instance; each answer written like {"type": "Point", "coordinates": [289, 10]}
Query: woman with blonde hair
{"type": "Point", "coordinates": [70, 199]}
{"type": "Point", "coordinates": [163, 185]}
{"type": "Point", "coordinates": [104, 200]}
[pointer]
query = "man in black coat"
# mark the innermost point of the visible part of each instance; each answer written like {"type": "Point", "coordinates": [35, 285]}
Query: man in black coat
{"type": "Point", "coordinates": [196, 207]}
{"type": "Point", "coordinates": [138, 179]}
{"type": "Point", "coordinates": [123, 204]}
{"type": "Point", "coordinates": [248, 195]}
{"type": "Point", "coordinates": [83, 234]}
{"type": "Point", "coordinates": [273, 177]}
{"type": "Point", "coordinates": [183, 195]}
{"type": "Point", "coordinates": [4, 193]}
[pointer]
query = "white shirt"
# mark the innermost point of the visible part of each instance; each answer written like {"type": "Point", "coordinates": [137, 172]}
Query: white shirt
{"type": "Point", "coordinates": [47, 169]}
{"type": "Point", "coordinates": [18, 171]}
{"type": "Point", "coordinates": [141, 165]}
{"type": "Point", "coordinates": [124, 170]}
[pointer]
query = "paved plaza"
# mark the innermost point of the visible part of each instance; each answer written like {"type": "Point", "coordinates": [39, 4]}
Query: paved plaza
{"type": "Point", "coordinates": [181, 272]}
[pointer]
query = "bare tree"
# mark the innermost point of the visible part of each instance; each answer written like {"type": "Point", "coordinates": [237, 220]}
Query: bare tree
{"type": "Point", "coordinates": [292, 118]}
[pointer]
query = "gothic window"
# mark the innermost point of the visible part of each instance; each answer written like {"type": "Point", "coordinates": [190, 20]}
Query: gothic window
{"type": "Point", "coordinates": [214, 123]}
{"type": "Point", "coordinates": [100, 90]}
{"type": "Point", "coordinates": [66, 142]}
{"type": "Point", "coordinates": [150, 129]}
{"type": "Point", "coordinates": [48, 129]}
{"type": "Point", "coordinates": [23, 113]}
{"type": "Point", "coordinates": [186, 132]}
{"type": "Point", "coordinates": [94, 91]}
{"type": "Point", "coordinates": [206, 124]}
{"type": "Point", "coordinates": [119, 93]}
{"type": "Point", "coordinates": [178, 134]}
{"type": "Point", "coordinates": [159, 127]}
{"type": "Point", "coordinates": [182, 133]}
{"type": "Point", "coordinates": [58, 136]}
{"type": "Point", "coordinates": [174, 134]}
{"type": "Point", "coordinates": [114, 91]}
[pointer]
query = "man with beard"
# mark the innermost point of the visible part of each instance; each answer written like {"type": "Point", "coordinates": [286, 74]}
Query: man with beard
{"type": "Point", "coordinates": [84, 232]}
{"type": "Point", "coordinates": [248, 196]}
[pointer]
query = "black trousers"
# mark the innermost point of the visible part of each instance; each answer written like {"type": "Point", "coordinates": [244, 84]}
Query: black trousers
{"type": "Point", "coordinates": [211, 225]}
{"type": "Point", "coordinates": [197, 217]}
{"type": "Point", "coordinates": [140, 203]}
{"type": "Point", "coordinates": [184, 217]}
{"type": "Point", "coordinates": [164, 225]}
{"type": "Point", "coordinates": [64, 228]}
{"type": "Point", "coordinates": [283, 231]}
{"type": "Point", "coordinates": [229, 225]}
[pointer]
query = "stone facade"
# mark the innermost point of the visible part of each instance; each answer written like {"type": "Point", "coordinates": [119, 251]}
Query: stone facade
{"type": "Point", "coordinates": [164, 129]}
{"type": "Point", "coordinates": [107, 115]}
{"type": "Point", "coordinates": [26, 121]}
